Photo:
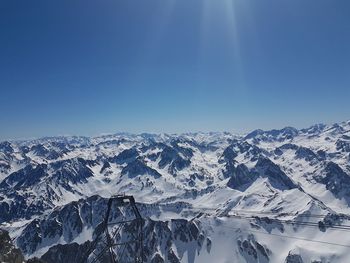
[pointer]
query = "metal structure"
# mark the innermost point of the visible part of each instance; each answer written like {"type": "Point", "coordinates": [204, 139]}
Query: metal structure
{"type": "Point", "coordinates": [119, 237]}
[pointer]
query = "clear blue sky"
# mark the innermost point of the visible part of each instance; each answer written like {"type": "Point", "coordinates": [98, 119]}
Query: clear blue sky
{"type": "Point", "coordinates": [88, 67]}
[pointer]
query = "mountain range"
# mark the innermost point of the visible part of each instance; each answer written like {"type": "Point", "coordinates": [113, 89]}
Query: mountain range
{"type": "Point", "coordinates": [266, 196]}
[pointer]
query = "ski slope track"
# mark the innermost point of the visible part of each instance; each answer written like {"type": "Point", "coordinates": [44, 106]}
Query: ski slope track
{"type": "Point", "coordinates": [267, 196]}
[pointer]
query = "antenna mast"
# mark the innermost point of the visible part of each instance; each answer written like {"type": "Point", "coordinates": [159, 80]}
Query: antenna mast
{"type": "Point", "coordinates": [120, 236]}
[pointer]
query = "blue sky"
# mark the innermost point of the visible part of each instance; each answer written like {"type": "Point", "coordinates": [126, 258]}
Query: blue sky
{"type": "Point", "coordinates": [90, 67]}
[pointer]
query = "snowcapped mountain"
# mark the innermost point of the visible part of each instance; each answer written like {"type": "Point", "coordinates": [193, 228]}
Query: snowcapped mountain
{"type": "Point", "coordinates": [268, 196]}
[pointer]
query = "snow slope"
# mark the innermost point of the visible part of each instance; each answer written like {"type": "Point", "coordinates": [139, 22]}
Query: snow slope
{"type": "Point", "coordinates": [248, 194]}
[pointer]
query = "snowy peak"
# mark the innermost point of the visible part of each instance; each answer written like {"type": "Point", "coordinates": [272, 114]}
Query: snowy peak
{"type": "Point", "coordinates": [287, 133]}
{"type": "Point", "coordinates": [53, 191]}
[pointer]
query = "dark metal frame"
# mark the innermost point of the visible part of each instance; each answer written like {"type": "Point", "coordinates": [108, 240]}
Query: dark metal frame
{"type": "Point", "coordinates": [108, 244]}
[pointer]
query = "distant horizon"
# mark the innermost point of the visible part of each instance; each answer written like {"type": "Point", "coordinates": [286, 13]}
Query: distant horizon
{"type": "Point", "coordinates": [166, 133]}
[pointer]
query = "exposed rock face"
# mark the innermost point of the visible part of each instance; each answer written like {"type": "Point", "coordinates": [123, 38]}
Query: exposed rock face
{"type": "Point", "coordinates": [268, 224]}
{"type": "Point", "coordinates": [8, 252]}
{"type": "Point", "coordinates": [157, 258]}
{"type": "Point", "coordinates": [315, 129]}
{"type": "Point", "coordinates": [66, 253]}
{"type": "Point", "coordinates": [306, 154]}
{"type": "Point", "coordinates": [26, 177]}
{"type": "Point", "coordinates": [228, 155]}
{"type": "Point", "coordinates": [278, 179]}
{"type": "Point", "coordinates": [343, 146]}
{"type": "Point", "coordinates": [6, 147]}
{"type": "Point", "coordinates": [252, 251]}
{"type": "Point", "coordinates": [285, 147]}
{"type": "Point", "coordinates": [231, 169]}
{"type": "Point", "coordinates": [254, 134]}
{"type": "Point", "coordinates": [66, 222]}
{"type": "Point", "coordinates": [172, 156]}
{"type": "Point", "coordinates": [293, 258]}
{"type": "Point", "coordinates": [160, 238]}
{"type": "Point", "coordinates": [242, 178]}
{"type": "Point", "coordinates": [125, 156]}
{"type": "Point", "coordinates": [138, 167]}
{"type": "Point", "coordinates": [287, 133]}
{"type": "Point", "coordinates": [50, 180]}
{"type": "Point", "coordinates": [288, 146]}
{"type": "Point", "coordinates": [50, 154]}
{"type": "Point", "coordinates": [60, 173]}
{"type": "Point", "coordinates": [336, 181]}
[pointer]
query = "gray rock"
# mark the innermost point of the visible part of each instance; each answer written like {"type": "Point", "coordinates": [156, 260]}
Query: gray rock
{"type": "Point", "coordinates": [293, 258]}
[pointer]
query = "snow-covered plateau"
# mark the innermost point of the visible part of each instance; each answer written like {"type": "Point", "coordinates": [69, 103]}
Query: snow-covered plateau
{"type": "Point", "coordinates": [267, 196]}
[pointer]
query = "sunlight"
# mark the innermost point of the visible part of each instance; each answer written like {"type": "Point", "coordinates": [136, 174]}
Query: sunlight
{"type": "Point", "coordinates": [232, 31]}
{"type": "Point", "coordinates": [222, 15]}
